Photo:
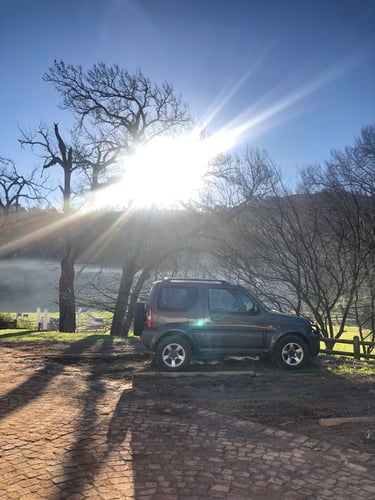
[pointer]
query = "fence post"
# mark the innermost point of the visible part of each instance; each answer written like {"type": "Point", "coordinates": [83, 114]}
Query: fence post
{"type": "Point", "coordinates": [356, 348]}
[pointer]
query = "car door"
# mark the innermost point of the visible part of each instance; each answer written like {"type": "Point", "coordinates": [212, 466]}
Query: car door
{"type": "Point", "coordinates": [233, 320]}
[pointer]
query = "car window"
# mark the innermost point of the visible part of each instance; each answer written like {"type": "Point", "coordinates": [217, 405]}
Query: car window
{"type": "Point", "coordinates": [177, 298]}
{"type": "Point", "coordinates": [229, 300]}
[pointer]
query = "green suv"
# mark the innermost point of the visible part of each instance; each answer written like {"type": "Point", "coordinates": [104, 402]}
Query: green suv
{"type": "Point", "coordinates": [186, 317]}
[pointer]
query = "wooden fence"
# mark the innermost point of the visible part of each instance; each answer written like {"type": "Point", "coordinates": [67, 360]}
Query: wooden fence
{"type": "Point", "coordinates": [357, 351]}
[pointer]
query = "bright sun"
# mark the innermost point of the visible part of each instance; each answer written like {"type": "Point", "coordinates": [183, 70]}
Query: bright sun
{"type": "Point", "coordinates": [165, 171]}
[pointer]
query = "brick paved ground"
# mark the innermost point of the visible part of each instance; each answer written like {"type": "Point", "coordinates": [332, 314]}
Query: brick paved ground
{"type": "Point", "coordinates": [66, 433]}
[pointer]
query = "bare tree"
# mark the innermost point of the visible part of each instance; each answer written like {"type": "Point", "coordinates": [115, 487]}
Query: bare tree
{"type": "Point", "coordinates": [234, 181]}
{"type": "Point", "coordinates": [313, 252]}
{"type": "Point", "coordinates": [297, 253]}
{"type": "Point", "coordinates": [15, 188]}
{"type": "Point", "coordinates": [348, 178]}
{"type": "Point", "coordinates": [54, 150]}
{"type": "Point", "coordinates": [96, 161]}
{"type": "Point", "coordinates": [233, 187]}
{"type": "Point", "coordinates": [353, 169]}
{"type": "Point", "coordinates": [119, 111]}
{"type": "Point", "coordinates": [310, 250]}
{"type": "Point", "coordinates": [125, 109]}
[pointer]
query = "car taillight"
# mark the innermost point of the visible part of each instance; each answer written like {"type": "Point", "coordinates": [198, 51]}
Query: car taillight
{"type": "Point", "coordinates": [149, 317]}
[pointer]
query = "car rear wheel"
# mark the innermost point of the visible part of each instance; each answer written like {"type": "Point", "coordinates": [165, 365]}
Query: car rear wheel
{"type": "Point", "coordinates": [173, 353]}
{"type": "Point", "coordinates": [291, 353]}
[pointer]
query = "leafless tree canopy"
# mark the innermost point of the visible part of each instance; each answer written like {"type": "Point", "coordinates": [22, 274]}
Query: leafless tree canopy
{"type": "Point", "coordinates": [54, 150]}
{"type": "Point", "coordinates": [349, 180]}
{"type": "Point", "coordinates": [351, 170]}
{"type": "Point", "coordinates": [234, 181]}
{"type": "Point", "coordinates": [15, 188]}
{"type": "Point", "coordinates": [126, 108]}
{"type": "Point", "coordinates": [313, 252]}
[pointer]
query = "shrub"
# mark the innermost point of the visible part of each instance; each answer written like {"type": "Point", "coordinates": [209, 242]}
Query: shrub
{"type": "Point", "coordinates": [6, 321]}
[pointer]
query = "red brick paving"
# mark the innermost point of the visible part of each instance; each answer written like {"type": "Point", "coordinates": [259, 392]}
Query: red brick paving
{"type": "Point", "coordinates": [68, 434]}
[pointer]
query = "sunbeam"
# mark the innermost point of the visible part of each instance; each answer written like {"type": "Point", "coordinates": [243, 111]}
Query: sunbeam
{"type": "Point", "coordinates": [170, 170]}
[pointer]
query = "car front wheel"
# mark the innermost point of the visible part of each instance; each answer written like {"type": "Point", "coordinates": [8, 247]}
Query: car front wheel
{"type": "Point", "coordinates": [173, 353]}
{"type": "Point", "coordinates": [291, 353]}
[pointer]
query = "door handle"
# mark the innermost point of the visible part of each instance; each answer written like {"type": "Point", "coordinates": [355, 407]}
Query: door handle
{"type": "Point", "coordinates": [215, 317]}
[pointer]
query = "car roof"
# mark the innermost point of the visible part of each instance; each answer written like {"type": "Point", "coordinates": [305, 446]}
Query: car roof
{"type": "Point", "coordinates": [193, 281]}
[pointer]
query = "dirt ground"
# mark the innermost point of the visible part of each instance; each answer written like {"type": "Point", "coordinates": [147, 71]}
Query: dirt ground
{"type": "Point", "coordinates": [289, 401]}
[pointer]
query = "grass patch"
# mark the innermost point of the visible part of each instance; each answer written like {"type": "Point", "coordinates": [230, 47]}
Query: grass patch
{"type": "Point", "coordinates": [350, 370]}
{"type": "Point", "coordinates": [52, 336]}
{"type": "Point", "coordinates": [342, 348]}
{"type": "Point", "coordinates": [350, 332]}
{"type": "Point", "coordinates": [345, 366]}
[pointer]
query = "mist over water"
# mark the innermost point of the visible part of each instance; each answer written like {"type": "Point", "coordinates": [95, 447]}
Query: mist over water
{"type": "Point", "coordinates": [26, 284]}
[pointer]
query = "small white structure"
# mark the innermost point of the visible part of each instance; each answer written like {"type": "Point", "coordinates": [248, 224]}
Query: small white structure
{"type": "Point", "coordinates": [45, 320]}
{"type": "Point", "coordinates": [42, 322]}
{"type": "Point", "coordinates": [38, 324]}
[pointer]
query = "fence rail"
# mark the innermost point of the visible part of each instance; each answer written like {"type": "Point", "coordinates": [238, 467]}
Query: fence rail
{"type": "Point", "coordinates": [357, 352]}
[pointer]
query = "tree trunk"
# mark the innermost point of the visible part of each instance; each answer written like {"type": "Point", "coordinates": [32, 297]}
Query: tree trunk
{"type": "Point", "coordinates": [126, 282]}
{"type": "Point", "coordinates": [67, 322]}
{"type": "Point", "coordinates": [133, 299]}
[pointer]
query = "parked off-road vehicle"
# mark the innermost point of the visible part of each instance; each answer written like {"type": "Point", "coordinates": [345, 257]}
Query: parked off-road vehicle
{"type": "Point", "coordinates": [208, 318]}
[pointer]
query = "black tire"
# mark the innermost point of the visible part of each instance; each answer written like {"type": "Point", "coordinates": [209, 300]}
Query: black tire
{"type": "Point", "coordinates": [173, 354]}
{"type": "Point", "coordinates": [291, 353]}
{"type": "Point", "coordinates": [139, 318]}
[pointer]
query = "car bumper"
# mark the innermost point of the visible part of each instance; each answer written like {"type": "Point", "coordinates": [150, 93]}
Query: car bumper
{"type": "Point", "coordinates": [148, 337]}
{"type": "Point", "coordinates": [315, 342]}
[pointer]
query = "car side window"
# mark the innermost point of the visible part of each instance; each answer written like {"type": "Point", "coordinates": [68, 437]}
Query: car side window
{"type": "Point", "coordinates": [177, 298]}
{"type": "Point", "coordinates": [229, 300]}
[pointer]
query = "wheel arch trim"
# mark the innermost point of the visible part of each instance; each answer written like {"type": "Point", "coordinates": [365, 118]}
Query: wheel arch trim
{"type": "Point", "coordinates": [171, 333]}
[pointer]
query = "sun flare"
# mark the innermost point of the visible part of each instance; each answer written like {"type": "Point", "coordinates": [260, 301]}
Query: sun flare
{"type": "Point", "coordinates": [165, 172]}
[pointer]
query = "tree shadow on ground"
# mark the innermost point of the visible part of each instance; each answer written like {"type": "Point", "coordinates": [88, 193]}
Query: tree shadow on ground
{"type": "Point", "coordinates": [89, 452]}
{"type": "Point", "coordinates": [173, 426]}
{"type": "Point", "coordinates": [34, 386]}
{"type": "Point", "coordinates": [148, 438]}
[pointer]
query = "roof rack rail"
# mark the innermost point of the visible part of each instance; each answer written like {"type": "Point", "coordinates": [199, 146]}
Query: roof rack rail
{"type": "Point", "coordinates": [197, 280]}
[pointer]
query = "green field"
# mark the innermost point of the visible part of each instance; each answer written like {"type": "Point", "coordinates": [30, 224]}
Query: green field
{"type": "Point", "coordinates": [348, 335]}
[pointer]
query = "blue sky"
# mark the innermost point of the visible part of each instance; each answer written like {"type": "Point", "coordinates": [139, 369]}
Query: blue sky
{"type": "Point", "coordinates": [301, 73]}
